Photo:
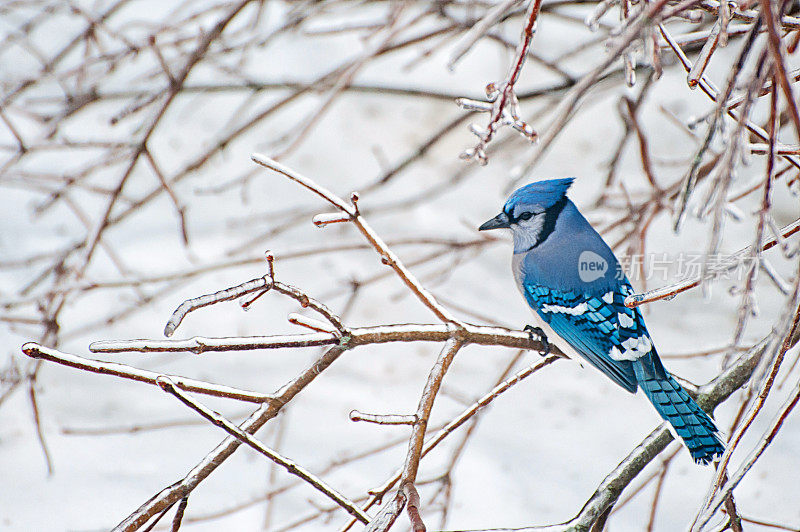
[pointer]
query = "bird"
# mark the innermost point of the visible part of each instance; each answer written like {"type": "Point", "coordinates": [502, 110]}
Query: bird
{"type": "Point", "coordinates": [573, 281]}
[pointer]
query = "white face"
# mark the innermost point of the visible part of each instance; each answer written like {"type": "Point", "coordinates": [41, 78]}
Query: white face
{"type": "Point", "coordinates": [527, 228]}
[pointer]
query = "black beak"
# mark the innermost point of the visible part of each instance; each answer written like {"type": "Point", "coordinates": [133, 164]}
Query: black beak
{"type": "Point", "coordinates": [500, 221]}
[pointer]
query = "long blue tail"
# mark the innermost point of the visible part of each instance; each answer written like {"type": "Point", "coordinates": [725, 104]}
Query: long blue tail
{"type": "Point", "coordinates": [672, 402]}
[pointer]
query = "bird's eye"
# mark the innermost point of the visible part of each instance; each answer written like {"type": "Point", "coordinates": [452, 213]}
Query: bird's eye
{"type": "Point", "coordinates": [526, 215]}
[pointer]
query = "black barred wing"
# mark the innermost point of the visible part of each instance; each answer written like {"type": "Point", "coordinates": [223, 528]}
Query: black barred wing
{"type": "Point", "coordinates": [599, 327]}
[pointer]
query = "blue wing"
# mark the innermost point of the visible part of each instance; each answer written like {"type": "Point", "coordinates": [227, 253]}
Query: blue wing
{"type": "Point", "coordinates": [598, 326]}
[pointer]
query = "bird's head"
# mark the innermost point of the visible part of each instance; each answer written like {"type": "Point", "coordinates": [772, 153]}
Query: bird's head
{"type": "Point", "coordinates": [531, 211]}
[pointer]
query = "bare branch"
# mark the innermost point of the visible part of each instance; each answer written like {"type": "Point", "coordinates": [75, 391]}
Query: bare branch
{"type": "Point", "coordinates": [357, 336]}
{"type": "Point", "coordinates": [388, 257]}
{"type": "Point", "coordinates": [502, 103]}
{"type": "Point", "coordinates": [173, 493]}
{"type": "Point", "coordinates": [290, 466]}
{"type": "Point", "coordinates": [668, 292]}
{"type": "Point", "coordinates": [383, 419]}
{"type": "Point", "coordinates": [36, 351]}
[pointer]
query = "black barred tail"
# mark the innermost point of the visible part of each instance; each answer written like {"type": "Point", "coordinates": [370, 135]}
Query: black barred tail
{"type": "Point", "coordinates": [672, 402]}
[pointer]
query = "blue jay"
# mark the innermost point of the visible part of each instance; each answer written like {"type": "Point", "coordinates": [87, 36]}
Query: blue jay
{"type": "Point", "coordinates": [573, 281]}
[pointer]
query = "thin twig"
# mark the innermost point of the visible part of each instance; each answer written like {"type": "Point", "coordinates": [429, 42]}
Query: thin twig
{"type": "Point", "coordinates": [290, 466]}
{"type": "Point", "coordinates": [39, 352]}
{"type": "Point", "coordinates": [407, 492]}
{"type": "Point", "coordinates": [668, 292]}
{"type": "Point", "coordinates": [388, 257]}
{"type": "Point", "coordinates": [176, 491]}
{"type": "Point", "coordinates": [503, 104]}
{"type": "Point", "coordinates": [357, 336]}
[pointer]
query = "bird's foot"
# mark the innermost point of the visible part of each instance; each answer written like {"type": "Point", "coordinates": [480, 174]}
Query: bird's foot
{"type": "Point", "coordinates": [536, 333]}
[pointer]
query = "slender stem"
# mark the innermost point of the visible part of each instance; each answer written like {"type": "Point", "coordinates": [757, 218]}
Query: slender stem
{"type": "Point", "coordinates": [39, 352]}
{"type": "Point", "coordinates": [667, 292]}
{"type": "Point", "coordinates": [290, 466]}
{"type": "Point", "coordinates": [357, 336]}
{"type": "Point", "coordinates": [388, 257]}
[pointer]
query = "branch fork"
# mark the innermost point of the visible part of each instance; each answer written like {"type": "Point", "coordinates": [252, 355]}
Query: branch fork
{"type": "Point", "coordinates": [501, 100]}
{"type": "Point", "coordinates": [350, 210]}
{"type": "Point", "coordinates": [503, 105]}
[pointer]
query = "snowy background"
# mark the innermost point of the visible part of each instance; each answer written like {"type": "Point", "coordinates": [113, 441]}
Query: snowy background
{"type": "Point", "coordinates": [535, 455]}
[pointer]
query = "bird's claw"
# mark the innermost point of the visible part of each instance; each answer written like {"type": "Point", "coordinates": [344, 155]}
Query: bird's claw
{"type": "Point", "coordinates": [536, 333]}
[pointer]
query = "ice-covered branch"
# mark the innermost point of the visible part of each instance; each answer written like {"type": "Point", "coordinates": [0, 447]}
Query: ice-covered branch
{"type": "Point", "coordinates": [175, 492]}
{"type": "Point", "coordinates": [357, 336]}
{"type": "Point", "coordinates": [502, 103]}
{"type": "Point", "coordinates": [388, 256]}
{"type": "Point", "coordinates": [398, 500]}
{"type": "Point", "coordinates": [39, 352]}
{"type": "Point", "coordinates": [290, 466]}
{"type": "Point", "coordinates": [733, 261]}
{"type": "Point", "coordinates": [612, 486]}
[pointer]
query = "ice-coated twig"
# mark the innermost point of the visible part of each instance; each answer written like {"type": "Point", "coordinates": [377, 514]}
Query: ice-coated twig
{"type": "Point", "coordinates": [701, 62]}
{"type": "Point", "coordinates": [628, 57]}
{"type": "Point", "coordinates": [659, 474]}
{"type": "Point", "coordinates": [388, 256]}
{"type": "Point", "coordinates": [502, 102]}
{"type": "Point", "coordinates": [321, 220]}
{"type": "Point", "coordinates": [201, 344]}
{"type": "Point", "coordinates": [382, 419]}
{"type": "Point", "coordinates": [763, 149]}
{"type": "Point", "coordinates": [778, 50]}
{"type": "Point", "coordinates": [306, 301]}
{"type": "Point", "coordinates": [260, 285]}
{"type": "Point", "coordinates": [644, 151]}
{"type": "Point", "coordinates": [780, 283]}
{"type": "Point", "coordinates": [479, 29]}
{"type": "Point", "coordinates": [667, 292]}
{"type": "Point", "coordinates": [748, 15]}
{"type": "Point", "coordinates": [354, 337]}
{"type": "Point", "coordinates": [413, 507]}
{"type": "Point", "coordinates": [592, 20]}
{"type": "Point", "coordinates": [39, 352]}
{"type": "Point", "coordinates": [290, 466]}
{"type": "Point", "coordinates": [268, 410]}
{"type": "Point", "coordinates": [176, 520]}
{"type": "Point", "coordinates": [190, 305]}
{"type": "Point", "coordinates": [415, 445]}
{"type": "Point", "coordinates": [724, 19]}
{"type": "Point", "coordinates": [388, 514]}
{"type": "Point", "coordinates": [310, 323]}
{"type": "Point", "coordinates": [503, 106]}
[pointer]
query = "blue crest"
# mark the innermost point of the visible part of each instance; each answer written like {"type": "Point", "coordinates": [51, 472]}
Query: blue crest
{"type": "Point", "coordinates": [538, 196]}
